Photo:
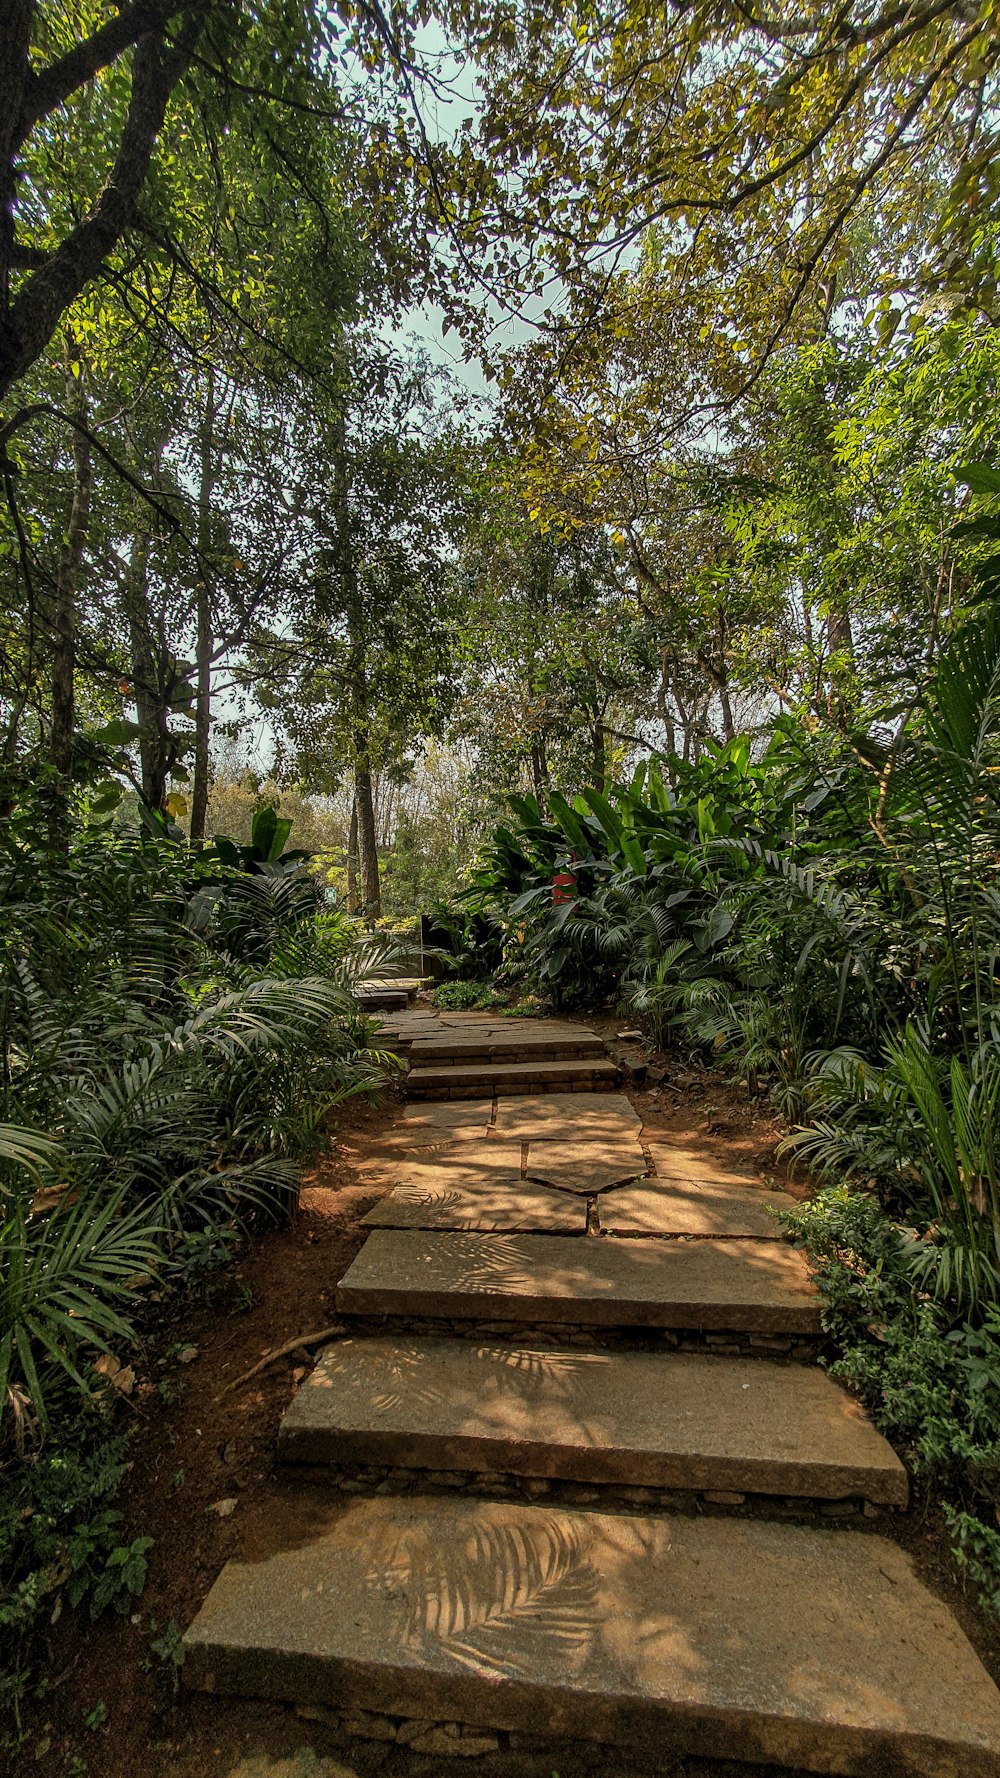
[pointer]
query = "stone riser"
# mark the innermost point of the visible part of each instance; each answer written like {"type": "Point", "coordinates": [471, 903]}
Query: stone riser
{"type": "Point", "coordinates": [782, 1348]}
{"type": "Point", "coordinates": [426, 1055]}
{"type": "Point", "coordinates": [490, 1085]}
{"type": "Point", "coordinates": [377, 1480]}
{"type": "Point", "coordinates": [514, 1077]}
{"type": "Point", "coordinates": [679, 1476]}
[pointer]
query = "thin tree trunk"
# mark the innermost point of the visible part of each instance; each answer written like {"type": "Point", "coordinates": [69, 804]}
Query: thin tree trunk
{"type": "Point", "coordinates": [539, 770]}
{"type": "Point", "coordinates": [67, 575]}
{"type": "Point", "coordinates": [352, 860]}
{"type": "Point", "coordinates": [367, 839]}
{"type": "Point", "coordinates": [156, 750]}
{"type": "Point", "coordinates": [598, 746]}
{"type": "Point", "coordinates": [728, 725]}
{"type": "Point", "coordinates": [204, 639]}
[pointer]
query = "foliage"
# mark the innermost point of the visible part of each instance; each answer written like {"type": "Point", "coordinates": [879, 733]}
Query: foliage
{"type": "Point", "coordinates": [930, 1379]}
{"type": "Point", "coordinates": [799, 913]}
{"type": "Point", "coordinates": [466, 996]}
{"type": "Point", "coordinates": [172, 1048]}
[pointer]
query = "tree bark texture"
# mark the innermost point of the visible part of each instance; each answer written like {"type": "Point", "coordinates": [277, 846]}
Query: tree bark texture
{"type": "Point", "coordinates": [164, 39]}
{"type": "Point", "coordinates": [204, 639]}
{"type": "Point", "coordinates": [352, 860]}
{"type": "Point", "coordinates": [367, 838]}
{"type": "Point", "coordinates": [63, 716]}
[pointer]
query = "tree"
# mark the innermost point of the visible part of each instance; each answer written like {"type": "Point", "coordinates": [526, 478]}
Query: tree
{"type": "Point", "coordinates": [362, 667]}
{"type": "Point", "coordinates": [761, 141]}
{"type": "Point", "coordinates": [554, 659]}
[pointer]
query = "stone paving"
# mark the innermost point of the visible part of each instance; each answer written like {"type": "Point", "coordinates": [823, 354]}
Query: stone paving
{"type": "Point", "coordinates": [572, 1305]}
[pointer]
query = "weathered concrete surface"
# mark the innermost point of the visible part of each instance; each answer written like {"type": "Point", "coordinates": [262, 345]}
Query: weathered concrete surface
{"type": "Point", "coordinates": [594, 1117]}
{"type": "Point", "coordinates": [458, 1164]}
{"type": "Point", "coordinates": [637, 1418]}
{"type": "Point", "coordinates": [469, 1113]}
{"type": "Point", "coordinates": [508, 1202]}
{"type": "Point", "coordinates": [675, 1207]}
{"type": "Point", "coordinates": [672, 1160]}
{"type": "Point", "coordinates": [461, 1080]}
{"type": "Point", "coordinates": [430, 1125]}
{"type": "Point", "coordinates": [713, 1637]}
{"type": "Point", "coordinates": [742, 1286]}
{"type": "Point", "coordinates": [585, 1166]}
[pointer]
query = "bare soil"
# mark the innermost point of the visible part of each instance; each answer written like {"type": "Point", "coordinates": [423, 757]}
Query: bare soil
{"type": "Point", "coordinates": [204, 1484]}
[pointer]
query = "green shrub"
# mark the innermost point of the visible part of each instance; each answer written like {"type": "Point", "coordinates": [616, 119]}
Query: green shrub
{"type": "Point", "coordinates": [466, 996]}
{"type": "Point", "coordinates": [930, 1380]}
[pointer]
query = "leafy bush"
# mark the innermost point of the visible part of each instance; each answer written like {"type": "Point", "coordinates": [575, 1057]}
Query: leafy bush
{"type": "Point", "coordinates": [466, 996]}
{"type": "Point", "coordinates": [930, 1379]}
{"type": "Point", "coordinates": [175, 1033]}
{"type": "Point", "coordinates": [826, 920]}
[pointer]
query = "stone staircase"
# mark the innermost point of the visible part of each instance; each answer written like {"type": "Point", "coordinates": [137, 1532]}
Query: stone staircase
{"type": "Point", "coordinates": [470, 1057]}
{"type": "Point", "coordinates": [591, 1468]}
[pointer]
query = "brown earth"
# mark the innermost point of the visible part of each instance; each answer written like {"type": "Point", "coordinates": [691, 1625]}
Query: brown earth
{"type": "Point", "coordinates": [206, 1446]}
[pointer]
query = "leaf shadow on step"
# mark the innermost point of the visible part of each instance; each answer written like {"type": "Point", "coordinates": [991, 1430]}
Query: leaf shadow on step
{"type": "Point", "coordinates": [505, 1598]}
{"type": "Point", "coordinates": [396, 1376]}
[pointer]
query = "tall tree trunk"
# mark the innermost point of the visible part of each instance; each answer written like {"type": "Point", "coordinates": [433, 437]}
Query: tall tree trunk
{"type": "Point", "coordinates": [599, 756]}
{"type": "Point", "coordinates": [67, 575]}
{"type": "Point", "coordinates": [352, 860]}
{"type": "Point", "coordinates": [728, 725]}
{"type": "Point", "coordinates": [840, 640]}
{"type": "Point", "coordinates": [156, 751]}
{"type": "Point", "coordinates": [204, 638]}
{"type": "Point", "coordinates": [539, 769]}
{"type": "Point", "coordinates": [367, 840]}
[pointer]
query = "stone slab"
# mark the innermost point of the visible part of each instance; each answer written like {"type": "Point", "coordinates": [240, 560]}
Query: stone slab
{"type": "Point", "coordinates": [675, 1207]}
{"type": "Point", "coordinates": [430, 1125]}
{"type": "Point", "coordinates": [600, 1117]}
{"type": "Point", "coordinates": [585, 1166]}
{"type": "Point", "coordinates": [675, 1161]}
{"type": "Point", "coordinates": [741, 1286]}
{"type": "Point", "coordinates": [634, 1418]}
{"type": "Point", "coordinates": [707, 1637]}
{"type": "Point", "coordinates": [461, 1165]}
{"type": "Point", "coordinates": [507, 1202]}
{"type": "Point", "coordinates": [467, 1112]}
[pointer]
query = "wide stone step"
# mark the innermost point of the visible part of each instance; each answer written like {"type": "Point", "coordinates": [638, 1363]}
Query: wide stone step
{"type": "Point", "coordinates": [708, 1637]}
{"type": "Point", "coordinates": [471, 1080]}
{"type": "Point", "coordinates": [634, 1418]}
{"type": "Point", "coordinates": [511, 1045]}
{"type": "Point", "coordinates": [739, 1286]}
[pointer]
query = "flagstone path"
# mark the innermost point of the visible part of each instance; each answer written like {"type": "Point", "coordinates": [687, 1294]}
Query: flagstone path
{"type": "Point", "coordinates": [549, 1302]}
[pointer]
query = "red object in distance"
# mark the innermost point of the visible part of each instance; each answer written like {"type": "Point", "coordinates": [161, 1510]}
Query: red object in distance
{"type": "Point", "coordinates": [564, 886]}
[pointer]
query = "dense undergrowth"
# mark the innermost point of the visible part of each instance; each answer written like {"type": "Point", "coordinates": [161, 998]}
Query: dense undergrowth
{"type": "Point", "coordinates": [177, 1026]}
{"type": "Point", "coordinates": [820, 913]}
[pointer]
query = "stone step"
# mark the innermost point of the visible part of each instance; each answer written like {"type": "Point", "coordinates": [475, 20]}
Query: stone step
{"type": "Point", "coordinates": [511, 1045]}
{"type": "Point", "coordinates": [742, 1286]}
{"type": "Point", "coordinates": [706, 1637]}
{"type": "Point", "coordinates": [633, 1418]}
{"type": "Point", "coordinates": [372, 999]}
{"type": "Point", "coordinates": [504, 1201]}
{"type": "Point", "coordinates": [470, 1081]}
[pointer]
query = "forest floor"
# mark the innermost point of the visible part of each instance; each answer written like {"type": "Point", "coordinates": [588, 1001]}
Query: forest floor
{"type": "Point", "coordinates": [204, 1484]}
